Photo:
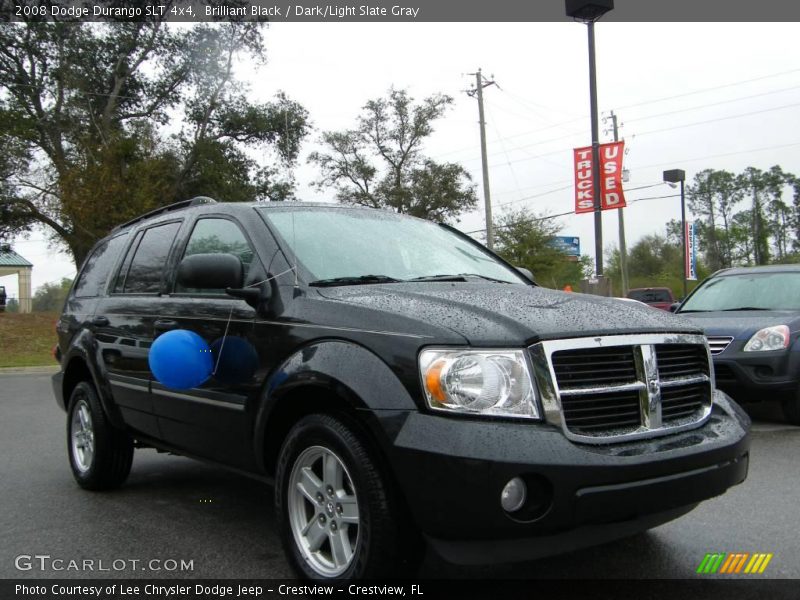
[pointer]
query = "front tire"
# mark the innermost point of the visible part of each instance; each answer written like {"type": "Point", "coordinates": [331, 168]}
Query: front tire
{"type": "Point", "coordinates": [99, 455]}
{"type": "Point", "coordinates": [336, 514]}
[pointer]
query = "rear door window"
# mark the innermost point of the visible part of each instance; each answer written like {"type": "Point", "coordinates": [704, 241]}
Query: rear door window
{"type": "Point", "coordinates": [143, 269]}
{"type": "Point", "coordinates": [94, 275]}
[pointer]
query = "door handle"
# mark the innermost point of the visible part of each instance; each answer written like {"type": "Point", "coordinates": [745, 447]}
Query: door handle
{"type": "Point", "coordinates": [100, 321]}
{"type": "Point", "coordinates": [165, 325]}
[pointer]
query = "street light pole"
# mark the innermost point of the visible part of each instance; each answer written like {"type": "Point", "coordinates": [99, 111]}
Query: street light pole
{"type": "Point", "coordinates": [679, 176]}
{"type": "Point", "coordinates": [590, 11]}
{"type": "Point", "coordinates": [598, 213]}
{"type": "Point", "coordinates": [683, 231]}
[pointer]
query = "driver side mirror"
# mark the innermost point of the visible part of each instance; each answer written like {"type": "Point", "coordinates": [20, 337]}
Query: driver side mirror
{"type": "Point", "coordinates": [211, 271]}
{"type": "Point", "coordinates": [674, 306]}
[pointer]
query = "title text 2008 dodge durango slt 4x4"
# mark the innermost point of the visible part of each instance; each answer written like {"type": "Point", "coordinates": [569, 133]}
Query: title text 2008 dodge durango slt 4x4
{"type": "Point", "coordinates": [398, 382]}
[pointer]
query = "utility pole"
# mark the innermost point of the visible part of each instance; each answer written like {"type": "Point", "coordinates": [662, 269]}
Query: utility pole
{"type": "Point", "coordinates": [480, 83]}
{"type": "Point", "coordinates": [623, 252]}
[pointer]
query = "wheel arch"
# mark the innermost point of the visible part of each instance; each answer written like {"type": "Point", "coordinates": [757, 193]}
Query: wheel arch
{"type": "Point", "coordinates": [80, 368]}
{"type": "Point", "coordinates": [331, 376]}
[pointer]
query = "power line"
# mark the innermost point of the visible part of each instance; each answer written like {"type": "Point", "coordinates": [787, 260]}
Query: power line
{"type": "Point", "coordinates": [654, 101]}
{"type": "Point", "coordinates": [710, 104]}
{"type": "Point", "coordinates": [747, 114]}
{"type": "Point", "coordinates": [710, 89]}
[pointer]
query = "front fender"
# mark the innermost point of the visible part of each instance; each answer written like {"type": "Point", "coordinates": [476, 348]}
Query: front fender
{"type": "Point", "coordinates": [84, 348]}
{"type": "Point", "coordinates": [352, 373]}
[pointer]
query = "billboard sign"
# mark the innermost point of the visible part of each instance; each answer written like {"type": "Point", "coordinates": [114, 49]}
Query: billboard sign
{"type": "Point", "coordinates": [569, 245]}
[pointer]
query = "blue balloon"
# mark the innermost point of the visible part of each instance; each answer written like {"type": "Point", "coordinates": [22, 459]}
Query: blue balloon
{"type": "Point", "coordinates": [180, 359]}
{"type": "Point", "coordinates": [237, 362]}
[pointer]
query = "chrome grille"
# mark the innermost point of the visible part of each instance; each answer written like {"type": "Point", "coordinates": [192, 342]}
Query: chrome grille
{"type": "Point", "coordinates": [613, 388]}
{"type": "Point", "coordinates": [718, 343]}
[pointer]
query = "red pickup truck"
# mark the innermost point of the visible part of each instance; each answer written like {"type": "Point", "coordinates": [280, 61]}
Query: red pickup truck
{"type": "Point", "coordinates": [657, 297]}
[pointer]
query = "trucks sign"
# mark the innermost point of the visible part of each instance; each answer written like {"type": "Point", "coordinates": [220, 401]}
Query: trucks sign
{"type": "Point", "coordinates": [611, 195]}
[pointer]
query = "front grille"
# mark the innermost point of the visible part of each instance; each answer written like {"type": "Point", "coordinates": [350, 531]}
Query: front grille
{"type": "Point", "coordinates": [681, 360]}
{"type": "Point", "coordinates": [601, 412]}
{"type": "Point", "coordinates": [576, 368]}
{"type": "Point", "coordinates": [680, 403]}
{"type": "Point", "coordinates": [620, 387]}
{"type": "Point", "coordinates": [718, 343]}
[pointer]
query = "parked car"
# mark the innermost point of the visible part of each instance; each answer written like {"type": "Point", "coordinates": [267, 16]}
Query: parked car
{"type": "Point", "coordinates": [751, 317]}
{"type": "Point", "coordinates": [396, 381]}
{"type": "Point", "coordinates": [2, 298]}
{"type": "Point", "coordinates": [657, 297]}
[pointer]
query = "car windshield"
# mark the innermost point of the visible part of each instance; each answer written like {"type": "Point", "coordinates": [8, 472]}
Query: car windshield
{"type": "Point", "coordinates": [650, 295]}
{"type": "Point", "coordinates": [754, 291]}
{"type": "Point", "coordinates": [371, 246]}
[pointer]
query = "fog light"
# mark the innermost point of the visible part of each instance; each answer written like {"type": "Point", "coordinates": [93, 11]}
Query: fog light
{"type": "Point", "coordinates": [514, 495]}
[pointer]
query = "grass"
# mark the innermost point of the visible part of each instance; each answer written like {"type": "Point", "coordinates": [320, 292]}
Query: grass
{"type": "Point", "coordinates": [27, 340]}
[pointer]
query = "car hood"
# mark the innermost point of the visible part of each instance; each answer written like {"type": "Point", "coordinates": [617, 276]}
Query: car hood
{"type": "Point", "coordinates": [494, 314]}
{"type": "Point", "coordinates": [742, 324]}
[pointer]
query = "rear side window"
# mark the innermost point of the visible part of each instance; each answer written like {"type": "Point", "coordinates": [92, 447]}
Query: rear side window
{"type": "Point", "coordinates": [92, 280]}
{"type": "Point", "coordinates": [143, 268]}
{"type": "Point", "coordinates": [217, 236]}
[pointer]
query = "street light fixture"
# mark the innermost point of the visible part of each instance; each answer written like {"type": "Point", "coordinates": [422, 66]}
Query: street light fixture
{"type": "Point", "coordinates": [675, 176]}
{"type": "Point", "coordinates": [590, 11]}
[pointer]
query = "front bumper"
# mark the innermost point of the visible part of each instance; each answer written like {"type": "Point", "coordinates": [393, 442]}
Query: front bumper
{"type": "Point", "coordinates": [453, 471]}
{"type": "Point", "coordinates": [757, 375]}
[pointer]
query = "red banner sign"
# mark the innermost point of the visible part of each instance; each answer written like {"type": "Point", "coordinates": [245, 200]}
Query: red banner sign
{"type": "Point", "coordinates": [611, 195]}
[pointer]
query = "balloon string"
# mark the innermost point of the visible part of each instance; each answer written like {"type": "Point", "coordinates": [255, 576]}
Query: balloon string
{"type": "Point", "coordinates": [289, 270]}
{"type": "Point", "coordinates": [230, 316]}
{"type": "Point", "coordinates": [224, 337]}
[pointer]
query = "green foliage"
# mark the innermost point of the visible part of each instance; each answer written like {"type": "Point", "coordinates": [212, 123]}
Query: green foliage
{"type": "Point", "coordinates": [50, 297]}
{"type": "Point", "coordinates": [100, 123]}
{"type": "Point", "coordinates": [654, 261]}
{"type": "Point", "coordinates": [525, 240]}
{"type": "Point", "coordinates": [743, 219]}
{"type": "Point", "coordinates": [380, 163]}
{"type": "Point", "coordinates": [12, 305]}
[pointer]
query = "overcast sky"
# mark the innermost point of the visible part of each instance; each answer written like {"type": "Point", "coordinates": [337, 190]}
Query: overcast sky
{"type": "Point", "coordinates": [689, 96]}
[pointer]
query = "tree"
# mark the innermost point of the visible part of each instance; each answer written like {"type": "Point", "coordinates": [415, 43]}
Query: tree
{"type": "Point", "coordinates": [525, 240]}
{"type": "Point", "coordinates": [50, 297]}
{"type": "Point", "coordinates": [100, 123]}
{"type": "Point", "coordinates": [712, 195]}
{"type": "Point", "coordinates": [754, 181]}
{"type": "Point", "coordinates": [380, 163]}
{"type": "Point", "coordinates": [655, 261]}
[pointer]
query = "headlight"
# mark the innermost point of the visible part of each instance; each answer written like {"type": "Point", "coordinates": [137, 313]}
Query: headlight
{"type": "Point", "coordinates": [769, 338]}
{"type": "Point", "coordinates": [487, 382]}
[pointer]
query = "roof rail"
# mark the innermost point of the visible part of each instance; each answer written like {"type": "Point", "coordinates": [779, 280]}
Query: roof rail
{"type": "Point", "coordinates": [165, 209]}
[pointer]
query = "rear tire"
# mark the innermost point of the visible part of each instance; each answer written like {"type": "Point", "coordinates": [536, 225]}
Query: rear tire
{"type": "Point", "coordinates": [336, 513]}
{"type": "Point", "coordinates": [100, 455]}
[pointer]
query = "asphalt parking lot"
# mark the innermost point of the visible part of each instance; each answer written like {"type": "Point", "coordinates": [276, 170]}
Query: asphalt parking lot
{"type": "Point", "coordinates": [176, 509]}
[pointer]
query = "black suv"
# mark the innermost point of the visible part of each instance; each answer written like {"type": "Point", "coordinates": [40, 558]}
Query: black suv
{"type": "Point", "coordinates": [399, 383]}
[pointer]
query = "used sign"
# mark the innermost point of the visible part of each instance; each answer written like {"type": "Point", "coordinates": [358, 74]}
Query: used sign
{"type": "Point", "coordinates": [611, 195]}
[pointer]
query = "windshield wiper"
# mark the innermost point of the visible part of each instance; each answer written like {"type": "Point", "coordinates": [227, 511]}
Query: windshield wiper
{"type": "Point", "coordinates": [745, 308]}
{"type": "Point", "coordinates": [458, 277]}
{"type": "Point", "coordinates": [359, 280]}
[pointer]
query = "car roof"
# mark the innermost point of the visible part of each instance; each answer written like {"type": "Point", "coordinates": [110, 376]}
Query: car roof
{"type": "Point", "coordinates": [787, 268]}
{"type": "Point", "coordinates": [206, 204]}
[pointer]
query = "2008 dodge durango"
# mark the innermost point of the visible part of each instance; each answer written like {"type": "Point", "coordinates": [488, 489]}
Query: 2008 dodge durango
{"type": "Point", "coordinates": [399, 383]}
